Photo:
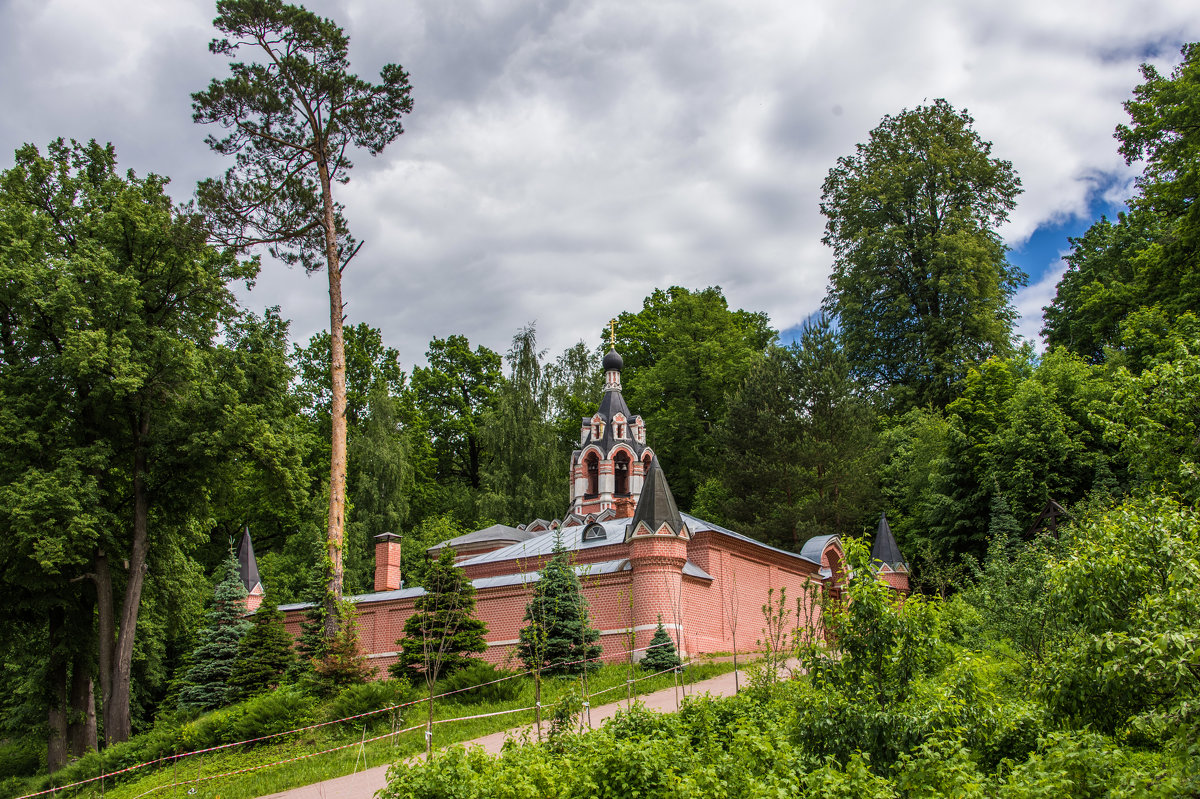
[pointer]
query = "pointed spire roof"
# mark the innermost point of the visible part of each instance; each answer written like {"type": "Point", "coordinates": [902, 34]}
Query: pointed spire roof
{"type": "Point", "coordinates": [885, 550]}
{"type": "Point", "coordinates": [656, 504]}
{"type": "Point", "coordinates": [247, 564]}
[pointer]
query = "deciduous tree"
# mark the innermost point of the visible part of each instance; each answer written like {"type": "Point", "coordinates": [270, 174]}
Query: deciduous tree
{"type": "Point", "coordinates": [452, 394]}
{"type": "Point", "coordinates": [1148, 257]}
{"type": "Point", "coordinates": [684, 352]}
{"type": "Point", "coordinates": [523, 478]}
{"type": "Point", "coordinates": [921, 288]}
{"type": "Point", "coordinates": [111, 303]}
{"type": "Point", "coordinates": [798, 445]}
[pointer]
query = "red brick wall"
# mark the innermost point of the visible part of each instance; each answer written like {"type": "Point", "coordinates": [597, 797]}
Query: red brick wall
{"type": "Point", "coordinates": [707, 611]}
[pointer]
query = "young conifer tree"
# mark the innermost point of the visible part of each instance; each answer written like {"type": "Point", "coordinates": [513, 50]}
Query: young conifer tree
{"type": "Point", "coordinates": [661, 654]}
{"type": "Point", "coordinates": [265, 655]}
{"type": "Point", "coordinates": [206, 684]}
{"type": "Point", "coordinates": [344, 663]}
{"type": "Point", "coordinates": [442, 636]}
{"type": "Point", "coordinates": [557, 635]}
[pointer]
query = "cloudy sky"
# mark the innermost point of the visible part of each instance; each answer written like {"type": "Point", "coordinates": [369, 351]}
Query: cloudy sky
{"type": "Point", "coordinates": [565, 157]}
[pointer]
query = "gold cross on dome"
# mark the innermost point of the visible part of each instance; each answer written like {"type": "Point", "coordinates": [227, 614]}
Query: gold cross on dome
{"type": "Point", "coordinates": [612, 333]}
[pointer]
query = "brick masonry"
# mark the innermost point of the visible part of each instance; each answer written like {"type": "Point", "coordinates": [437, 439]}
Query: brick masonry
{"type": "Point", "coordinates": [705, 616]}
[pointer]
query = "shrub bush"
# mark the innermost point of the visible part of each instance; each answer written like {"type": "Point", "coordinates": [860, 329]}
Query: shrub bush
{"type": "Point", "coordinates": [21, 757]}
{"type": "Point", "coordinates": [369, 696]}
{"type": "Point", "coordinates": [477, 675]}
{"type": "Point", "coordinates": [280, 710]}
{"type": "Point", "coordinates": [207, 730]}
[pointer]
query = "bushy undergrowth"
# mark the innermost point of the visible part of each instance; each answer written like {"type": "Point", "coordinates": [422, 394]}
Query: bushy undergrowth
{"type": "Point", "coordinates": [767, 745]}
{"type": "Point", "coordinates": [370, 696]}
{"type": "Point", "coordinates": [1067, 670]}
{"type": "Point", "coordinates": [471, 685]}
{"type": "Point", "coordinates": [286, 708]}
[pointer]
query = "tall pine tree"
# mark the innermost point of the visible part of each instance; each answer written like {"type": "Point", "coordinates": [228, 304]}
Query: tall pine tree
{"type": "Point", "coordinates": [206, 684]}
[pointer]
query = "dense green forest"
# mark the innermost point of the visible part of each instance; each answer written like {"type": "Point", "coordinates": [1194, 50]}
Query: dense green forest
{"type": "Point", "coordinates": [146, 419]}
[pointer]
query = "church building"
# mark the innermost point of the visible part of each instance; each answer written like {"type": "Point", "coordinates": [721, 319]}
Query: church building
{"type": "Point", "coordinates": [639, 558]}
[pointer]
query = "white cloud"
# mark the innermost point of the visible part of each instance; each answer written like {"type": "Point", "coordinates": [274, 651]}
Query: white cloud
{"type": "Point", "coordinates": [565, 158]}
{"type": "Point", "coordinates": [1032, 299]}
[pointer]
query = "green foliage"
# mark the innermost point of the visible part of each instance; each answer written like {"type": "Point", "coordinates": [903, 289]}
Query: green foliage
{"type": "Point", "coordinates": [1029, 433]}
{"type": "Point", "coordinates": [558, 637]}
{"type": "Point", "coordinates": [414, 560]}
{"type": "Point", "coordinates": [355, 699]}
{"type": "Point", "coordinates": [115, 389]}
{"type": "Point", "coordinates": [804, 442]}
{"type": "Point", "coordinates": [278, 711]}
{"type": "Point", "coordinates": [576, 382]}
{"type": "Point", "coordinates": [207, 682]}
{"type": "Point", "coordinates": [343, 662]}
{"type": "Point", "coordinates": [1147, 259]}
{"type": "Point", "coordinates": [461, 684]}
{"type": "Point", "coordinates": [1011, 595]}
{"type": "Point", "coordinates": [380, 481]}
{"type": "Point", "coordinates": [1129, 585]}
{"type": "Point", "coordinates": [523, 477]}
{"type": "Point", "coordinates": [380, 474]}
{"type": "Point", "coordinates": [442, 635]}
{"type": "Point", "coordinates": [921, 287]}
{"type": "Point", "coordinates": [20, 757]}
{"type": "Point", "coordinates": [265, 655]}
{"type": "Point", "coordinates": [661, 654]}
{"type": "Point", "coordinates": [882, 641]}
{"type": "Point", "coordinates": [1155, 419]}
{"type": "Point", "coordinates": [683, 353]}
{"type": "Point", "coordinates": [452, 394]}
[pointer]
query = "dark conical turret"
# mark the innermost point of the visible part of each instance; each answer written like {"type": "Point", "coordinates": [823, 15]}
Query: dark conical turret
{"type": "Point", "coordinates": [885, 550]}
{"type": "Point", "coordinates": [656, 505]}
{"type": "Point", "coordinates": [247, 564]}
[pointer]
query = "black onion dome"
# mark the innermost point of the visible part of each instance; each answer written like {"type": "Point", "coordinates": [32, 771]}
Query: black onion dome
{"type": "Point", "coordinates": [613, 361]}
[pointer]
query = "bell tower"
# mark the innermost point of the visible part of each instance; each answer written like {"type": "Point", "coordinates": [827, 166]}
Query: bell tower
{"type": "Point", "coordinates": [610, 466]}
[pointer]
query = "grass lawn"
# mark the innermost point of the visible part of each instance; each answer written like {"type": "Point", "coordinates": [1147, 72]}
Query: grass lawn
{"type": "Point", "coordinates": [271, 779]}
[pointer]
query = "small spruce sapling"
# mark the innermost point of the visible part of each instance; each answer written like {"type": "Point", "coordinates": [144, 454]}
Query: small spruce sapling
{"type": "Point", "coordinates": [661, 654]}
{"type": "Point", "coordinates": [206, 683]}
{"type": "Point", "coordinates": [344, 662]}
{"type": "Point", "coordinates": [443, 635]}
{"type": "Point", "coordinates": [557, 635]}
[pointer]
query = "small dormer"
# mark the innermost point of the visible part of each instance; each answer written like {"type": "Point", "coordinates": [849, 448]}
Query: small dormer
{"type": "Point", "coordinates": [597, 427]}
{"type": "Point", "coordinates": [594, 532]}
{"type": "Point", "coordinates": [639, 430]}
{"type": "Point", "coordinates": [620, 427]}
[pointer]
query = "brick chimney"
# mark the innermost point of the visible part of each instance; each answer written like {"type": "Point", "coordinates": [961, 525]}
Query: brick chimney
{"type": "Point", "coordinates": [387, 562]}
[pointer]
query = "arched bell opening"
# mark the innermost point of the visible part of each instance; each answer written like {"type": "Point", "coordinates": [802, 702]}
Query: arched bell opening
{"type": "Point", "coordinates": [592, 469]}
{"type": "Point", "coordinates": [621, 474]}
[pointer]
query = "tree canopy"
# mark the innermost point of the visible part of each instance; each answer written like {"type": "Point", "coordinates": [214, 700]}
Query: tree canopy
{"type": "Point", "coordinates": [1147, 258]}
{"type": "Point", "coordinates": [921, 288]}
{"type": "Point", "coordinates": [683, 352]}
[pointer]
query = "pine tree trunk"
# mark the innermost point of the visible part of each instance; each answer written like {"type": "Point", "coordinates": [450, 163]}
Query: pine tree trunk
{"type": "Point", "coordinates": [337, 410]}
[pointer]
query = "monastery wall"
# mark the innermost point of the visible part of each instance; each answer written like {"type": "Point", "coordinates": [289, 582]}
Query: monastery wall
{"type": "Point", "coordinates": [706, 616]}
